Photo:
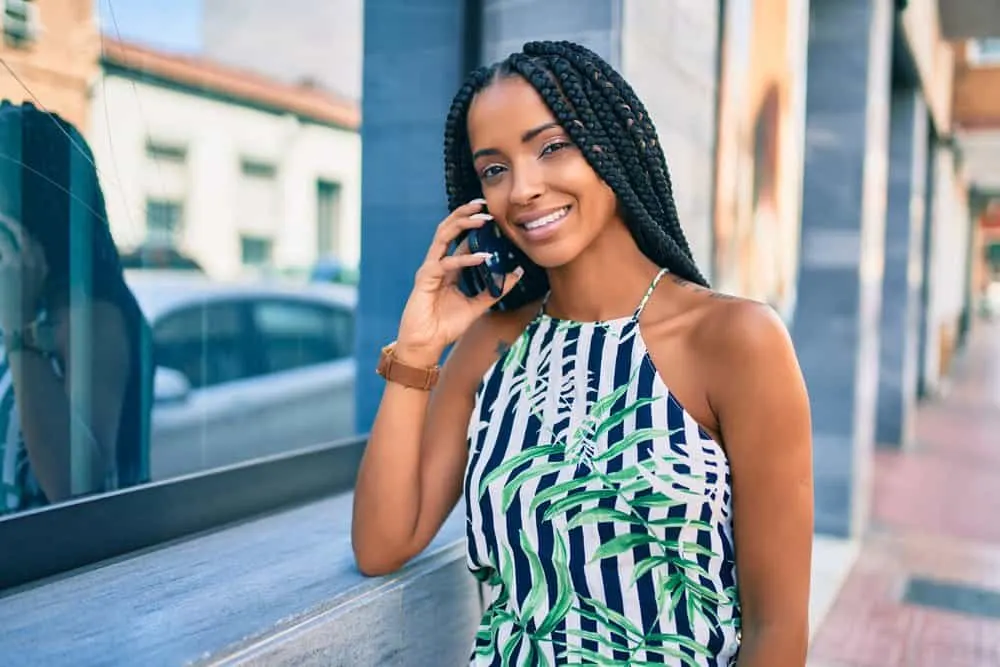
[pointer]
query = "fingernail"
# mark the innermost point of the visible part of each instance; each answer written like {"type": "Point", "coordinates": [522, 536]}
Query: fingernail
{"type": "Point", "coordinates": [483, 255]}
{"type": "Point", "coordinates": [481, 216]}
{"type": "Point", "coordinates": [519, 271]}
{"type": "Point", "coordinates": [481, 202]}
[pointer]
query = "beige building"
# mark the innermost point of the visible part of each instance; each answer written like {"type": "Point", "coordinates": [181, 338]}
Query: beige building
{"type": "Point", "coordinates": [50, 49]}
{"type": "Point", "coordinates": [241, 173]}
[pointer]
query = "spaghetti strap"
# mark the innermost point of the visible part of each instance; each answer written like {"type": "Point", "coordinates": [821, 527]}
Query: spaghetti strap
{"type": "Point", "coordinates": [649, 293]}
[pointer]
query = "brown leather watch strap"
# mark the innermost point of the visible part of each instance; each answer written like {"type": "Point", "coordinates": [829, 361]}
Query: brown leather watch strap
{"type": "Point", "coordinates": [390, 368]}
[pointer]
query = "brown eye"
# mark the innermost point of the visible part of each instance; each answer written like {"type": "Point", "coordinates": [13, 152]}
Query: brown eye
{"type": "Point", "coordinates": [554, 146]}
{"type": "Point", "coordinates": [491, 171]}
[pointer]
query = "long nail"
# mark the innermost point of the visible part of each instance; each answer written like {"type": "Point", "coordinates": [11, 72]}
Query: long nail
{"type": "Point", "coordinates": [480, 201]}
{"type": "Point", "coordinates": [518, 272]}
{"type": "Point", "coordinates": [481, 216]}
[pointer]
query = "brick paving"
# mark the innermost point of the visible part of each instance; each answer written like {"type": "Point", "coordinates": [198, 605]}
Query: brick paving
{"type": "Point", "coordinates": [935, 514]}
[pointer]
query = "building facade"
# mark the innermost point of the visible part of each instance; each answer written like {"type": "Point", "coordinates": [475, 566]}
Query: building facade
{"type": "Point", "coordinates": [977, 120]}
{"type": "Point", "coordinates": [50, 50]}
{"type": "Point", "coordinates": [239, 172]}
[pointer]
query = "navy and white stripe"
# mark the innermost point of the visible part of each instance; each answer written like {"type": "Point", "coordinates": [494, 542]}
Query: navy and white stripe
{"type": "Point", "coordinates": [668, 490]}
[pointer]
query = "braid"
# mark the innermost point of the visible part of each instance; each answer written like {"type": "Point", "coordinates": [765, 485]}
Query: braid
{"type": "Point", "coordinates": [607, 122]}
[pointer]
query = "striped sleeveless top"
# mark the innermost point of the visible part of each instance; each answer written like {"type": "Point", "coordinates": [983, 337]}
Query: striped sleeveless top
{"type": "Point", "coordinates": [599, 512]}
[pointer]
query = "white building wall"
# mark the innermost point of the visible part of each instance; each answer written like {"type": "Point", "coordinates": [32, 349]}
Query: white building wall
{"type": "Point", "coordinates": [218, 136]}
{"type": "Point", "coordinates": [670, 57]}
{"type": "Point", "coordinates": [948, 262]}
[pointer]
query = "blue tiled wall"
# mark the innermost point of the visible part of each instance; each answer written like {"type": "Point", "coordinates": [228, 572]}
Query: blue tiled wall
{"type": "Point", "coordinates": [904, 240]}
{"type": "Point", "coordinates": [839, 288]}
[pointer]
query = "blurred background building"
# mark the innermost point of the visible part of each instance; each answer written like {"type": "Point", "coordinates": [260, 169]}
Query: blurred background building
{"type": "Point", "coordinates": [240, 172]}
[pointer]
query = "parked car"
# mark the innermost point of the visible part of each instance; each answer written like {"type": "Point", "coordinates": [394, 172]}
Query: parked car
{"type": "Point", "coordinates": [155, 257]}
{"type": "Point", "coordinates": [245, 370]}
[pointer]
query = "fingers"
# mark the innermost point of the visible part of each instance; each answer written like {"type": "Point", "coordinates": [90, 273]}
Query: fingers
{"type": "Point", "coordinates": [457, 261]}
{"type": "Point", "coordinates": [467, 216]}
{"type": "Point", "coordinates": [486, 300]}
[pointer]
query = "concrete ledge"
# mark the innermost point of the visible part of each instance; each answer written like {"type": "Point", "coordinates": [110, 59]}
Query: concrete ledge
{"type": "Point", "coordinates": [185, 602]}
{"type": "Point", "coordinates": [426, 615]}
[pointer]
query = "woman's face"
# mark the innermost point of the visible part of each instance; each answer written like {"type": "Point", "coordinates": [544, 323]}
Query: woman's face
{"type": "Point", "coordinates": [538, 186]}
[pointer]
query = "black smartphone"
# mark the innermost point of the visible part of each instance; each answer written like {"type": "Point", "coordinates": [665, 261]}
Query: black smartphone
{"type": "Point", "coordinates": [504, 258]}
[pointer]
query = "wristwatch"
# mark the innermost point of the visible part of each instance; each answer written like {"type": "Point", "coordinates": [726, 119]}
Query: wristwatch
{"type": "Point", "coordinates": [392, 370]}
{"type": "Point", "coordinates": [38, 336]}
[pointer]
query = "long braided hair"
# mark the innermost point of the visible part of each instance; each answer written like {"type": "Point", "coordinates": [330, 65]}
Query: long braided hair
{"type": "Point", "coordinates": [607, 122]}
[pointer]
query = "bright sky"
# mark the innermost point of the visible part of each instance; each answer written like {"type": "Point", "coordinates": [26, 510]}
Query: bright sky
{"type": "Point", "coordinates": [173, 25]}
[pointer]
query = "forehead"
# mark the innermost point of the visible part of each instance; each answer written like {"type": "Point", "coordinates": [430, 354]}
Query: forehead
{"type": "Point", "coordinates": [506, 108]}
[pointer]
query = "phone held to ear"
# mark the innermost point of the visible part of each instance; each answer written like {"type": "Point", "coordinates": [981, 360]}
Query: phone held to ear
{"type": "Point", "coordinates": [504, 258]}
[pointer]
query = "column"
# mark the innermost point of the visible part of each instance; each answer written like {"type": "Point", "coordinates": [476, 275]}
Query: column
{"type": "Point", "coordinates": [835, 328]}
{"type": "Point", "coordinates": [903, 272]}
{"type": "Point", "coordinates": [414, 60]}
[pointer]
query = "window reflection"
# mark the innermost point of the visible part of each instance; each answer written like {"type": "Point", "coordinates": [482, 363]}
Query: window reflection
{"type": "Point", "coordinates": [196, 227]}
{"type": "Point", "coordinates": [75, 380]}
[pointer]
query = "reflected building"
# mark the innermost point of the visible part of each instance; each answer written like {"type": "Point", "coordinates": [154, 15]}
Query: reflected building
{"type": "Point", "coordinates": [50, 49]}
{"type": "Point", "coordinates": [75, 353]}
{"type": "Point", "coordinates": [240, 173]}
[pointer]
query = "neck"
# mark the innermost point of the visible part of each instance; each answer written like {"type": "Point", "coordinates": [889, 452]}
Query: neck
{"type": "Point", "coordinates": [605, 282]}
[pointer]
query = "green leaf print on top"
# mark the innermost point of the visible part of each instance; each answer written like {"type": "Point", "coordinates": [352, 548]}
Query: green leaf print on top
{"type": "Point", "coordinates": [601, 520]}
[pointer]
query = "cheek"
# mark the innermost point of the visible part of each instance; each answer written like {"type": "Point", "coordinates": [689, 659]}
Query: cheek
{"type": "Point", "coordinates": [600, 198]}
{"type": "Point", "coordinates": [496, 204]}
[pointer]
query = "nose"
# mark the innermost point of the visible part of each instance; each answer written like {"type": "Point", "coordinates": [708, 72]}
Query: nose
{"type": "Point", "coordinates": [527, 183]}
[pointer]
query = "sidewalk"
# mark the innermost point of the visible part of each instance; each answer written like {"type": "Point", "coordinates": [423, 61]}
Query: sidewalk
{"type": "Point", "coordinates": [925, 588]}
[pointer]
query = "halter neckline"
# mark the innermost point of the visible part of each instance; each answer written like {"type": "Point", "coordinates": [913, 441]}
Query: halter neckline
{"type": "Point", "coordinates": [542, 314]}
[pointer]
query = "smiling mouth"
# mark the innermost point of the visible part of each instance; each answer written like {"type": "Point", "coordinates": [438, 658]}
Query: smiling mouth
{"type": "Point", "coordinates": [547, 220]}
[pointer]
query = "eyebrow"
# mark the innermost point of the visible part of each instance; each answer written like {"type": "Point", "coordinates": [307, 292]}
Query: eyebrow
{"type": "Point", "coordinates": [525, 138]}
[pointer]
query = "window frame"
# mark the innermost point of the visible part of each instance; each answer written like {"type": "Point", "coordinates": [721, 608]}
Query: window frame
{"type": "Point", "coordinates": [78, 534]}
{"type": "Point", "coordinates": [977, 56]}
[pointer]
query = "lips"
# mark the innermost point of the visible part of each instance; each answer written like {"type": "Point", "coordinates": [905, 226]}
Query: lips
{"type": "Point", "coordinates": [538, 226]}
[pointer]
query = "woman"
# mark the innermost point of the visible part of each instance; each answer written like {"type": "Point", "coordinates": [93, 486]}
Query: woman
{"type": "Point", "coordinates": [68, 323]}
{"type": "Point", "coordinates": [636, 450]}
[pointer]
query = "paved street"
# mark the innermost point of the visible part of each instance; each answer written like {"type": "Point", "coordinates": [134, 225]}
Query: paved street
{"type": "Point", "coordinates": [925, 589]}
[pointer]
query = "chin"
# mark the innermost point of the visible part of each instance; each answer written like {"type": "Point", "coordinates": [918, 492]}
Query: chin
{"type": "Point", "coordinates": [552, 256]}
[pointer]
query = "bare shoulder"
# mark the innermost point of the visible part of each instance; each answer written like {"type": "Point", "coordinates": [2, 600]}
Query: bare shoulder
{"type": "Point", "coordinates": [733, 329]}
{"type": "Point", "coordinates": [486, 340]}
{"type": "Point", "coordinates": [740, 330]}
{"type": "Point", "coordinates": [747, 357]}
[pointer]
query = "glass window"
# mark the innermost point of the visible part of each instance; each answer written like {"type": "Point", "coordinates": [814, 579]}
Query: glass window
{"type": "Point", "coordinates": [328, 219]}
{"type": "Point", "coordinates": [255, 251]}
{"type": "Point", "coordinates": [21, 22]}
{"type": "Point", "coordinates": [163, 222]}
{"type": "Point", "coordinates": [207, 343]}
{"type": "Point", "coordinates": [167, 191]}
{"type": "Point", "coordinates": [984, 51]}
{"type": "Point", "coordinates": [295, 334]}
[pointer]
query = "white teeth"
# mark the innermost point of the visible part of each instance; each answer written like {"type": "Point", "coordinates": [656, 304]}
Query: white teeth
{"type": "Point", "coordinates": [549, 219]}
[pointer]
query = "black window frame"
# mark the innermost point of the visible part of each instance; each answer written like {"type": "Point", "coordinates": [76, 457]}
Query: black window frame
{"type": "Point", "coordinates": [73, 536]}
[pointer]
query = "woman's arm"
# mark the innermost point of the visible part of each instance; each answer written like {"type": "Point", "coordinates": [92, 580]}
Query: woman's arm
{"type": "Point", "coordinates": [412, 470]}
{"type": "Point", "coordinates": [44, 405]}
{"type": "Point", "coordinates": [759, 396]}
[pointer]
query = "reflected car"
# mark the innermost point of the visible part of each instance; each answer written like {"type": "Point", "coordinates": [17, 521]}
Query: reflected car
{"type": "Point", "coordinates": [245, 370]}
